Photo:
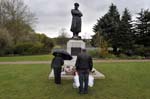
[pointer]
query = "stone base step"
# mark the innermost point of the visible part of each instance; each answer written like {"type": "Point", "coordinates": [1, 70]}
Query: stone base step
{"type": "Point", "coordinates": [97, 75]}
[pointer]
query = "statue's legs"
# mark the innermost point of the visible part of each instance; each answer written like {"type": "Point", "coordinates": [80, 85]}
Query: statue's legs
{"type": "Point", "coordinates": [75, 34]}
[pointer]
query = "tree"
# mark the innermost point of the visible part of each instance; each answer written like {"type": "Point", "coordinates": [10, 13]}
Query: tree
{"type": "Point", "coordinates": [16, 18]}
{"type": "Point", "coordinates": [143, 28]}
{"type": "Point", "coordinates": [109, 25]}
{"type": "Point", "coordinates": [126, 40]}
{"type": "Point", "coordinates": [5, 41]}
{"type": "Point", "coordinates": [62, 38]}
{"type": "Point", "coordinates": [47, 42]}
{"type": "Point", "coordinates": [96, 39]}
{"type": "Point", "coordinates": [101, 43]}
{"type": "Point", "coordinates": [103, 47]}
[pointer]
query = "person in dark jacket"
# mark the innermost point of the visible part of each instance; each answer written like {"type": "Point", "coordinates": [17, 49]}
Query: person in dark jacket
{"type": "Point", "coordinates": [56, 64]}
{"type": "Point", "coordinates": [83, 65]}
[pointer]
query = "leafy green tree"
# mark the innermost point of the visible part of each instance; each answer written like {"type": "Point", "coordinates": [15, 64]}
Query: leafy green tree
{"type": "Point", "coordinates": [62, 39]}
{"type": "Point", "coordinates": [5, 41]}
{"type": "Point", "coordinates": [47, 42]}
{"type": "Point", "coordinates": [16, 18]}
{"type": "Point", "coordinates": [96, 40]}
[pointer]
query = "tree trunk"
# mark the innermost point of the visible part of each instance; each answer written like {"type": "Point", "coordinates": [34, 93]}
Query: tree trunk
{"type": "Point", "coordinates": [115, 50]}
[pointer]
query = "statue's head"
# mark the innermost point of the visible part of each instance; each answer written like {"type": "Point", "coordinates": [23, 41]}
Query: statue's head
{"type": "Point", "coordinates": [76, 5]}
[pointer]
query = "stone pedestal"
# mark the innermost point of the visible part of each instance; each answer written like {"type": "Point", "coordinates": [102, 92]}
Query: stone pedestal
{"type": "Point", "coordinates": [96, 75]}
{"type": "Point", "coordinates": [74, 47]}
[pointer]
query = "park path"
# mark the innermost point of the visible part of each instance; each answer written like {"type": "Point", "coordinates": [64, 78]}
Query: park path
{"type": "Point", "coordinates": [48, 62]}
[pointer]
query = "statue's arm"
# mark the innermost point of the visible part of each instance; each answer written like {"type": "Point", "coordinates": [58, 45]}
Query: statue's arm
{"type": "Point", "coordinates": [81, 14]}
{"type": "Point", "coordinates": [76, 12]}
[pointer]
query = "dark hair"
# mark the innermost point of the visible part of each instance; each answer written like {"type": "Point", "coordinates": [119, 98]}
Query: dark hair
{"type": "Point", "coordinates": [76, 4]}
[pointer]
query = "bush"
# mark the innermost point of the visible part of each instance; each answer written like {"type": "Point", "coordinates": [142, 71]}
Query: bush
{"type": "Point", "coordinates": [28, 48]}
{"type": "Point", "coordinates": [37, 48]}
{"type": "Point", "coordinates": [47, 42]}
{"type": "Point", "coordinates": [103, 53]}
{"type": "Point", "coordinates": [136, 57]}
{"type": "Point", "coordinates": [147, 52]}
{"type": "Point", "coordinates": [23, 48]}
{"type": "Point", "coordinates": [111, 56]}
{"type": "Point", "coordinates": [94, 53]}
{"type": "Point", "coordinates": [142, 51]}
{"type": "Point", "coordinates": [123, 56]}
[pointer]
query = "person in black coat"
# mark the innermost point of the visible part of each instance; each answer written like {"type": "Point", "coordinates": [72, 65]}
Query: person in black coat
{"type": "Point", "coordinates": [83, 65]}
{"type": "Point", "coordinates": [56, 64]}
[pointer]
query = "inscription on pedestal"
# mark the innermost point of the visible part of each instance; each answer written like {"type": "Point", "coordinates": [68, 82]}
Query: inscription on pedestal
{"type": "Point", "coordinates": [75, 51]}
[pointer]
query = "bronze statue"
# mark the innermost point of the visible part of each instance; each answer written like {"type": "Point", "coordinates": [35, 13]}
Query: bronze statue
{"type": "Point", "coordinates": [76, 20]}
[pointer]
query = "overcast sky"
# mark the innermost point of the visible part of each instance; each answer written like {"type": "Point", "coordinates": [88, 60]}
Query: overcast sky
{"type": "Point", "coordinates": [53, 15]}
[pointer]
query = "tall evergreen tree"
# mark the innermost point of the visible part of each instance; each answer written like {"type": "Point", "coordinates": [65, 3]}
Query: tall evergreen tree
{"type": "Point", "coordinates": [109, 25]}
{"type": "Point", "coordinates": [143, 28]}
{"type": "Point", "coordinates": [125, 32]}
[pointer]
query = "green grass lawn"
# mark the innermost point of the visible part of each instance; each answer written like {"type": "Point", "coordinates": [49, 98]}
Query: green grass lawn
{"type": "Point", "coordinates": [123, 81]}
{"type": "Point", "coordinates": [26, 58]}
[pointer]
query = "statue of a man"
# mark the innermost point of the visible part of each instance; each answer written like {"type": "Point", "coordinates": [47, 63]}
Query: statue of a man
{"type": "Point", "coordinates": [76, 20]}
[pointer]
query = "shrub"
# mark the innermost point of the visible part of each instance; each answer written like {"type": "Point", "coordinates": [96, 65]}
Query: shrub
{"type": "Point", "coordinates": [23, 48]}
{"type": "Point", "coordinates": [147, 52]}
{"type": "Point", "coordinates": [142, 51]}
{"type": "Point", "coordinates": [103, 52]}
{"type": "Point", "coordinates": [37, 48]}
{"type": "Point", "coordinates": [136, 57]}
{"type": "Point", "coordinates": [28, 48]}
{"type": "Point", "coordinates": [94, 53]}
{"type": "Point", "coordinates": [111, 56]}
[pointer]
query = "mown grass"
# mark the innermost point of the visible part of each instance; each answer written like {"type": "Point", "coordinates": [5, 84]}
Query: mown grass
{"type": "Point", "coordinates": [26, 58]}
{"type": "Point", "coordinates": [123, 81]}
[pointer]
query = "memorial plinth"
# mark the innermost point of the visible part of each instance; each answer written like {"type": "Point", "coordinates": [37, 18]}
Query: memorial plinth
{"type": "Point", "coordinates": [74, 48]}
